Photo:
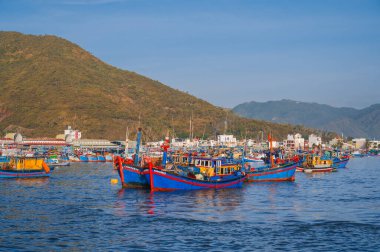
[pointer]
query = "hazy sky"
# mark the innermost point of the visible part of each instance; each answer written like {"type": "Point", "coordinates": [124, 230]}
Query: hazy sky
{"type": "Point", "coordinates": [225, 51]}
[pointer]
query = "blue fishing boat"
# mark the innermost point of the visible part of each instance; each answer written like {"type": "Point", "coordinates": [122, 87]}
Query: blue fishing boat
{"type": "Point", "coordinates": [205, 173]}
{"type": "Point", "coordinates": [101, 158]}
{"type": "Point", "coordinates": [25, 168]}
{"type": "Point", "coordinates": [109, 157]}
{"type": "Point", "coordinates": [92, 158]}
{"type": "Point", "coordinates": [130, 173]}
{"type": "Point", "coordinates": [4, 159]}
{"type": "Point", "coordinates": [83, 158]}
{"type": "Point", "coordinates": [340, 162]}
{"type": "Point", "coordinates": [357, 154]}
{"type": "Point", "coordinates": [131, 176]}
{"type": "Point", "coordinates": [271, 172]}
{"type": "Point", "coordinates": [267, 173]}
{"type": "Point", "coordinates": [164, 181]}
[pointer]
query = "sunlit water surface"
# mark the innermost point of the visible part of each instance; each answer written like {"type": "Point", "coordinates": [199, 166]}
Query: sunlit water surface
{"type": "Point", "coordinates": [77, 208]}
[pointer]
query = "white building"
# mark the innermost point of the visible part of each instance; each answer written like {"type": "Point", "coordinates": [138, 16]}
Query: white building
{"type": "Point", "coordinates": [93, 143]}
{"type": "Point", "coordinates": [71, 134]}
{"type": "Point", "coordinates": [314, 140]}
{"type": "Point", "coordinates": [179, 142]}
{"type": "Point", "coordinates": [359, 143]}
{"type": "Point", "coordinates": [299, 142]}
{"type": "Point", "coordinates": [374, 144]}
{"type": "Point", "coordinates": [228, 140]}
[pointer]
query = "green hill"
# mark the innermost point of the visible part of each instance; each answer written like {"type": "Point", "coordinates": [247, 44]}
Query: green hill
{"type": "Point", "coordinates": [47, 83]}
{"type": "Point", "coordinates": [352, 122]}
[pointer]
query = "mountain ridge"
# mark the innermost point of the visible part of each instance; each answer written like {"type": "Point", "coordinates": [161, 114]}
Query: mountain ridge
{"type": "Point", "coordinates": [47, 83]}
{"type": "Point", "coordinates": [349, 121]}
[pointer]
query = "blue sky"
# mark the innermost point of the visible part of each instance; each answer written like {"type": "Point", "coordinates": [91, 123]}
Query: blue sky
{"type": "Point", "coordinates": [225, 51]}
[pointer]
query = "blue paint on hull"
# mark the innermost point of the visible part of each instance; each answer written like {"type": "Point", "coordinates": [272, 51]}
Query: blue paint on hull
{"type": "Point", "coordinates": [267, 174]}
{"type": "Point", "coordinates": [340, 163]}
{"type": "Point", "coordinates": [83, 158]}
{"type": "Point", "coordinates": [92, 159]}
{"type": "Point", "coordinates": [101, 158]}
{"type": "Point", "coordinates": [167, 182]}
{"type": "Point", "coordinates": [133, 177]}
{"type": "Point", "coordinates": [23, 174]}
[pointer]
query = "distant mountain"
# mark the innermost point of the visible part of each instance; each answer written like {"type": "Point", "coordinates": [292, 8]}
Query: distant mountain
{"type": "Point", "coordinates": [47, 83]}
{"type": "Point", "coordinates": [349, 121]}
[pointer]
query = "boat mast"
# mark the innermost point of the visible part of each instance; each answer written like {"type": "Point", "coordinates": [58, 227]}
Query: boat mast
{"type": "Point", "coordinates": [138, 140]}
{"type": "Point", "coordinates": [271, 150]}
{"type": "Point", "coordinates": [126, 143]}
{"type": "Point", "coordinates": [190, 135]}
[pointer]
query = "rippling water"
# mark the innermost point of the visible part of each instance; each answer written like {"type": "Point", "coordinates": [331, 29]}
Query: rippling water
{"type": "Point", "coordinates": [77, 208]}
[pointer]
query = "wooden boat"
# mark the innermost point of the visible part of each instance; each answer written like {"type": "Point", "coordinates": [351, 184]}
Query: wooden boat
{"type": "Point", "coordinates": [131, 175]}
{"type": "Point", "coordinates": [267, 173]}
{"type": "Point", "coordinates": [83, 158]}
{"type": "Point", "coordinates": [54, 161]}
{"type": "Point", "coordinates": [203, 173]}
{"type": "Point", "coordinates": [4, 159]}
{"type": "Point", "coordinates": [108, 157]}
{"type": "Point", "coordinates": [164, 181]}
{"type": "Point", "coordinates": [130, 170]}
{"type": "Point", "coordinates": [314, 163]}
{"type": "Point", "coordinates": [25, 168]}
{"type": "Point", "coordinates": [92, 158]}
{"type": "Point", "coordinates": [340, 162]}
{"type": "Point", "coordinates": [271, 172]}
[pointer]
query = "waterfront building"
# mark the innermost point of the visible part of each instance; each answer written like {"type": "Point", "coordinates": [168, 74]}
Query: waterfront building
{"type": "Point", "coordinates": [359, 143]}
{"type": "Point", "coordinates": [289, 143]}
{"type": "Point", "coordinates": [94, 144]}
{"type": "Point", "coordinates": [374, 144]}
{"type": "Point", "coordinates": [227, 140]}
{"type": "Point", "coordinates": [314, 140]}
{"type": "Point", "coordinates": [72, 134]}
{"type": "Point", "coordinates": [299, 142]}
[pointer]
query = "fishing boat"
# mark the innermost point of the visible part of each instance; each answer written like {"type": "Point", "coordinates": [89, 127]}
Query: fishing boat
{"type": "Point", "coordinates": [267, 173]}
{"type": "Point", "coordinates": [74, 158]}
{"type": "Point", "coordinates": [108, 157]}
{"type": "Point", "coordinates": [92, 158]}
{"type": "Point", "coordinates": [357, 154]}
{"type": "Point", "coordinates": [4, 159]}
{"type": "Point", "coordinates": [83, 158]}
{"type": "Point", "coordinates": [206, 173]}
{"type": "Point", "coordinates": [340, 162]}
{"type": "Point", "coordinates": [101, 158]}
{"type": "Point", "coordinates": [315, 163]}
{"type": "Point", "coordinates": [273, 172]}
{"type": "Point", "coordinates": [25, 168]}
{"type": "Point", "coordinates": [131, 175]}
{"type": "Point", "coordinates": [130, 170]}
{"type": "Point", "coordinates": [54, 161]}
{"type": "Point", "coordinates": [160, 180]}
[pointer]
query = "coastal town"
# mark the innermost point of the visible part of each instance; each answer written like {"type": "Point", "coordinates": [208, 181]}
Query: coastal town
{"type": "Point", "coordinates": [72, 139]}
{"type": "Point", "coordinates": [188, 126]}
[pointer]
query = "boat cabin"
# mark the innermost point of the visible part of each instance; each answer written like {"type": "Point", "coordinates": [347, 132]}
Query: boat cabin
{"type": "Point", "coordinates": [313, 161]}
{"type": "Point", "coordinates": [215, 166]}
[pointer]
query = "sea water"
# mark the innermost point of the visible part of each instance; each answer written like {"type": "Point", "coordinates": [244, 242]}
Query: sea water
{"type": "Point", "coordinates": [78, 209]}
